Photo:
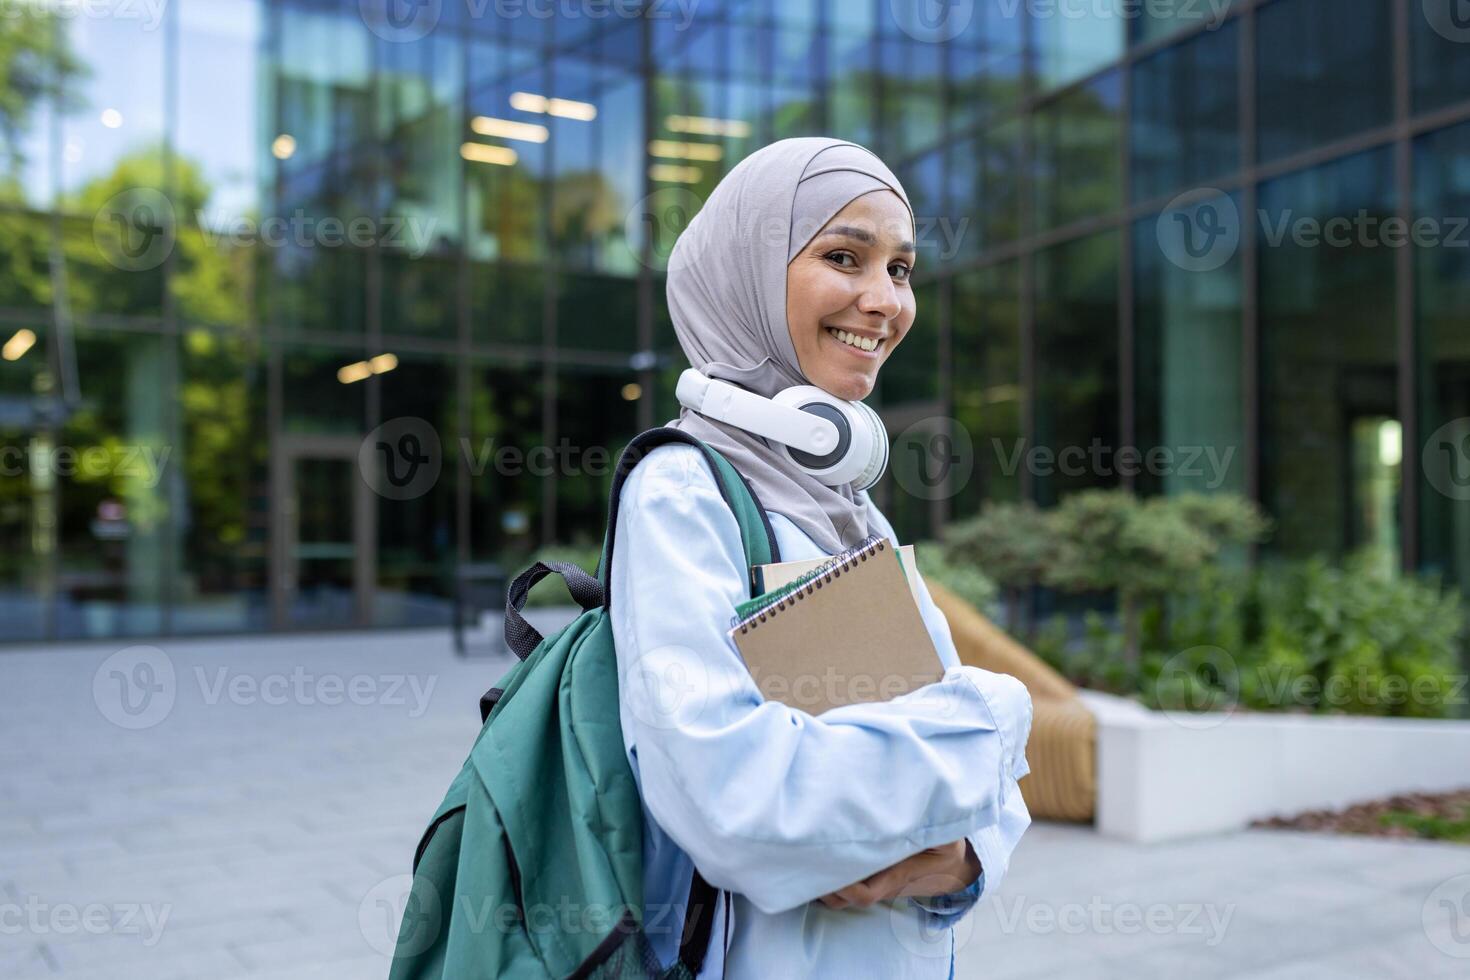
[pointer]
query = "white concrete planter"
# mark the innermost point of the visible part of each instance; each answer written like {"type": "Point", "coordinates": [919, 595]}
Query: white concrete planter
{"type": "Point", "coordinates": [1163, 776]}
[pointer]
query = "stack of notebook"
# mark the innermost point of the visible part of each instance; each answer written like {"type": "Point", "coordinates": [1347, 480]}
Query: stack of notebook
{"type": "Point", "coordinates": [835, 631]}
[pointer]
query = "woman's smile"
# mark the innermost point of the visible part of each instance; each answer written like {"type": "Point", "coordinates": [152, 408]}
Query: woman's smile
{"type": "Point", "coordinates": [856, 344]}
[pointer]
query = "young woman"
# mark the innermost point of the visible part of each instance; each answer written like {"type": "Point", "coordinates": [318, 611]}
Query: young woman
{"type": "Point", "coordinates": [844, 845]}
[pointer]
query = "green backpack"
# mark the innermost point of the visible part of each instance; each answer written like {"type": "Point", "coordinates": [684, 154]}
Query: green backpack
{"type": "Point", "coordinates": [533, 864]}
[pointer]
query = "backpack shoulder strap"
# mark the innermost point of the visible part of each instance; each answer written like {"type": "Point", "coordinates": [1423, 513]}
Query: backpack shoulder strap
{"type": "Point", "coordinates": [756, 535]}
{"type": "Point", "coordinates": [760, 546]}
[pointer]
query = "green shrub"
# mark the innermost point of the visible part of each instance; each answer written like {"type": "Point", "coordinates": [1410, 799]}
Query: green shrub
{"type": "Point", "coordinates": [962, 578]}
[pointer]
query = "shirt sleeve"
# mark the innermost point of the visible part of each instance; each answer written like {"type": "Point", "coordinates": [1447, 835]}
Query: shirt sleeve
{"type": "Point", "coordinates": [992, 843]}
{"type": "Point", "coordinates": [768, 801]}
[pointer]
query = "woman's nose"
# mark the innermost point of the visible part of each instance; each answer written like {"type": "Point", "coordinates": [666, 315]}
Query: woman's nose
{"type": "Point", "coordinates": [879, 297]}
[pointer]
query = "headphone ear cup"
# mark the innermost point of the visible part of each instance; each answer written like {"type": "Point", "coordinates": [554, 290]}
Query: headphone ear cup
{"type": "Point", "coordinates": [877, 461]}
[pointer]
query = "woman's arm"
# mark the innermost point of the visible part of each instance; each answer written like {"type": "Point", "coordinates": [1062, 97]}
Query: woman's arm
{"type": "Point", "coordinates": [769, 801]}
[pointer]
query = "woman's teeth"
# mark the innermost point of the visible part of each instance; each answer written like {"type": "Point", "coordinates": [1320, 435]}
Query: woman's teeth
{"type": "Point", "coordinates": [853, 340]}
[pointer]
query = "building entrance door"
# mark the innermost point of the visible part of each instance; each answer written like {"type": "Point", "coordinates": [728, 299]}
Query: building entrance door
{"type": "Point", "coordinates": [323, 521]}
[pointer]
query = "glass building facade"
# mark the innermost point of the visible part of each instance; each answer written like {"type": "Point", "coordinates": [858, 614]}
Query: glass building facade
{"type": "Point", "coordinates": [241, 239]}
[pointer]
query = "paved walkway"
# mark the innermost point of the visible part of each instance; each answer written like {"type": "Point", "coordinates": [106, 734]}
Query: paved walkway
{"type": "Point", "coordinates": [249, 807]}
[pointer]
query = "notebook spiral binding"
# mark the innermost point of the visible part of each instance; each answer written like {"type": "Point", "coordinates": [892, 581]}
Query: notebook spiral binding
{"type": "Point", "coordinates": [827, 573]}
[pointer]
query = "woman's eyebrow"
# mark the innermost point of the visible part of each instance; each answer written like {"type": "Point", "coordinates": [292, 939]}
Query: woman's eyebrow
{"type": "Point", "coordinates": [864, 236]}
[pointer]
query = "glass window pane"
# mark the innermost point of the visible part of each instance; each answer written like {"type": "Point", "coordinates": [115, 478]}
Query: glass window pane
{"type": "Point", "coordinates": [1328, 353]}
{"type": "Point", "coordinates": [1323, 71]}
{"type": "Point", "coordinates": [114, 461]}
{"type": "Point", "coordinates": [1189, 403]}
{"type": "Point", "coordinates": [505, 497]}
{"type": "Point", "coordinates": [595, 419]}
{"type": "Point", "coordinates": [1185, 126]}
{"type": "Point", "coordinates": [27, 486]}
{"type": "Point", "coordinates": [597, 313]}
{"type": "Point", "coordinates": [314, 398]}
{"type": "Point", "coordinates": [1160, 18]}
{"type": "Point", "coordinates": [416, 542]}
{"type": "Point", "coordinates": [984, 178]}
{"type": "Point", "coordinates": [223, 463]}
{"type": "Point", "coordinates": [113, 131]}
{"type": "Point", "coordinates": [1076, 144]}
{"type": "Point", "coordinates": [1440, 59]}
{"type": "Point", "coordinates": [1073, 40]}
{"type": "Point", "coordinates": [507, 303]}
{"type": "Point", "coordinates": [1076, 366]}
{"type": "Point", "coordinates": [38, 51]}
{"type": "Point", "coordinates": [1442, 178]}
{"type": "Point", "coordinates": [988, 395]}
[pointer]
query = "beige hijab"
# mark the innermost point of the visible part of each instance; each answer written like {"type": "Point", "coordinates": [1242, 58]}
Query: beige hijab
{"type": "Point", "coordinates": [727, 297]}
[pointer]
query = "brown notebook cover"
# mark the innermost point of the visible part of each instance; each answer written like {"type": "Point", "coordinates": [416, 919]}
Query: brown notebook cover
{"type": "Point", "coordinates": [854, 634]}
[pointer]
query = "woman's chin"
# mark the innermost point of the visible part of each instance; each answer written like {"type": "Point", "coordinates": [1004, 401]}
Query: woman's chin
{"type": "Point", "coordinates": [848, 385]}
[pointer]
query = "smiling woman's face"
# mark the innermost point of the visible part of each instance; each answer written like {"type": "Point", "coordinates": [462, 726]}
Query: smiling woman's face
{"type": "Point", "coordinates": [848, 298]}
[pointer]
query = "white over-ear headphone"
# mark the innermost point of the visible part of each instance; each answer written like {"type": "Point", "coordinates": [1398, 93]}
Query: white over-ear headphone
{"type": "Point", "coordinates": [836, 441]}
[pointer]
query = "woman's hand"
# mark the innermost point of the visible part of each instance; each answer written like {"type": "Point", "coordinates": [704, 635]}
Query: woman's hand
{"type": "Point", "coordinates": [934, 871]}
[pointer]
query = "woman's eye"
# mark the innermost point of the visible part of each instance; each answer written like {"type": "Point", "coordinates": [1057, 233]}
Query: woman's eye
{"type": "Point", "coordinates": [900, 271]}
{"type": "Point", "coordinates": [839, 258]}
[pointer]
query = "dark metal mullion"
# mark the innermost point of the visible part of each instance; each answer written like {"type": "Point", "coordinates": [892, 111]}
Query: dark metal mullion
{"type": "Point", "coordinates": [647, 378]}
{"type": "Point", "coordinates": [1250, 327]}
{"type": "Point", "coordinates": [463, 376]}
{"type": "Point", "coordinates": [1404, 298]}
{"type": "Point", "coordinates": [173, 336]}
{"type": "Point", "coordinates": [276, 469]}
{"type": "Point", "coordinates": [549, 374]}
{"type": "Point", "coordinates": [1127, 367]}
{"type": "Point", "coordinates": [1027, 257]}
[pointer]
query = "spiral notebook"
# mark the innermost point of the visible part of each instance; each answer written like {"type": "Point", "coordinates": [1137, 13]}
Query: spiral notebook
{"type": "Point", "coordinates": [847, 633]}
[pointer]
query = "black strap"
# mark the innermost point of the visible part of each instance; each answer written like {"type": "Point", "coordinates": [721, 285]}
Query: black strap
{"type": "Point", "coordinates": [699, 920]}
{"type": "Point", "coordinates": [641, 446]}
{"type": "Point", "coordinates": [520, 635]}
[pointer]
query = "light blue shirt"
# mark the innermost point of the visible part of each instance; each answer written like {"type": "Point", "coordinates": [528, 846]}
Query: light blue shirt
{"type": "Point", "coordinates": [772, 804]}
